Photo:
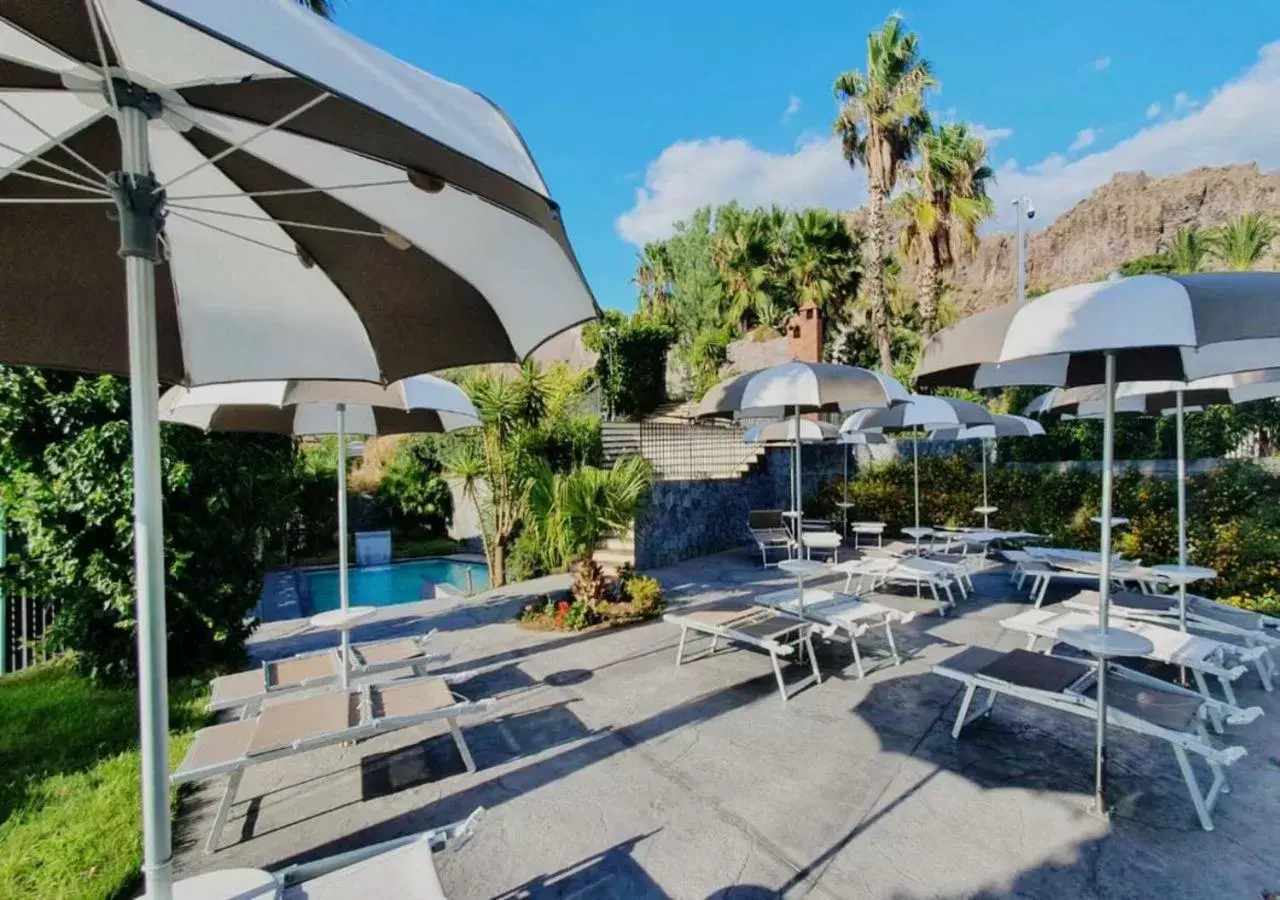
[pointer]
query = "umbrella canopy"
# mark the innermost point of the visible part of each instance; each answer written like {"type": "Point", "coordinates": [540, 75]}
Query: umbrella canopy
{"type": "Point", "coordinates": [1150, 327]}
{"type": "Point", "coordinates": [917, 412]}
{"type": "Point", "coordinates": [328, 210]}
{"type": "Point", "coordinates": [784, 432]}
{"type": "Point", "coordinates": [289, 202]}
{"type": "Point", "coordinates": [1157, 397]}
{"type": "Point", "coordinates": [422, 404]}
{"type": "Point", "coordinates": [1155, 327]}
{"type": "Point", "coordinates": [800, 387]}
{"type": "Point", "coordinates": [1001, 426]}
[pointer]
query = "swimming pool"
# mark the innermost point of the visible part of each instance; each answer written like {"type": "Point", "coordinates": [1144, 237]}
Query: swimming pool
{"type": "Point", "coordinates": [401, 582]}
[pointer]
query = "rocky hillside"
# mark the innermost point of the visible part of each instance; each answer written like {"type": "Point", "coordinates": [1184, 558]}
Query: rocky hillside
{"type": "Point", "coordinates": [1130, 216]}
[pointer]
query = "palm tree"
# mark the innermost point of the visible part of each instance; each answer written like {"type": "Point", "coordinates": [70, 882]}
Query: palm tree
{"type": "Point", "coordinates": [882, 116]}
{"type": "Point", "coordinates": [1242, 241]}
{"type": "Point", "coordinates": [654, 276]}
{"type": "Point", "coordinates": [319, 7]}
{"type": "Point", "coordinates": [943, 209]}
{"type": "Point", "coordinates": [821, 261]}
{"type": "Point", "coordinates": [1188, 250]}
{"type": "Point", "coordinates": [743, 247]}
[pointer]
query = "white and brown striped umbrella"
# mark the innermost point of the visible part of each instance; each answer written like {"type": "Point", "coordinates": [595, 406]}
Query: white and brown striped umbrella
{"type": "Point", "coordinates": [423, 404]}
{"type": "Point", "coordinates": [328, 211]}
{"type": "Point", "coordinates": [1157, 327]}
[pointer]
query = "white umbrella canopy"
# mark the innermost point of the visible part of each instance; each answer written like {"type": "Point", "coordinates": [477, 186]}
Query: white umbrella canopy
{"type": "Point", "coordinates": [1001, 426]}
{"type": "Point", "coordinates": [918, 412]}
{"type": "Point", "coordinates": [1150, 327]}
{"type": "Point", "coordinates": [793, 388]}
{"type": "Point", "coordinates": [321, 209]}
{"type": "Point", "coordinates": [784, 432]}
{"type": "Point", "coordinates": [422, 404]}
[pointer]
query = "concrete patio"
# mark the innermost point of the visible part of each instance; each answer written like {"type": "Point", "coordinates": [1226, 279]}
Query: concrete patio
{"type": "Point", "coordinates": [607, 772]}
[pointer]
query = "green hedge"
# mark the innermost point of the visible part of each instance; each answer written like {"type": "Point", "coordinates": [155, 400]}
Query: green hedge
{"type": "Point", "coordinates": [1233, 513]}
{"type": "Point", "coordinates": [632, 367]}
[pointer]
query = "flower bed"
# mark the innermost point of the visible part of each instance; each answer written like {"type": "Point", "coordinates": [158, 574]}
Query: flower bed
{"type": "Point", "coordinates": [596, 601]}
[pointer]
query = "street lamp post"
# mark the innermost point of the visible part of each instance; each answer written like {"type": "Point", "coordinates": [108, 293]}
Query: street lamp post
{"type": "Point", "coordinates": [1022, 207]}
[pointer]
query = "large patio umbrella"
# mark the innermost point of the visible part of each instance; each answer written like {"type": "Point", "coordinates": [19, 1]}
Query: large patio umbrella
{"type": "Point", "coordinates": [1165, 398]}
{"type": "Point", "coordinates": [423, 404]}
{"type": "Point", "coordinates": [1002, 426]}
{"type": "Point", "coordinates": [785, 432]}
{"type": "Point", "coordinates": [1150, 327]}
{"type": "Point", "coordinates": [918, 412]}
{"type": "Point", "coordinates": [290, 202]}
{"type": "Point", "coordinates": [795, 388]}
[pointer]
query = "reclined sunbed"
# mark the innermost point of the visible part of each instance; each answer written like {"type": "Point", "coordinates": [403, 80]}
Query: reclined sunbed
{"type": "Point", "coordinates": [294, 726]}
{"type": "Point", "coordinates": [873, 571]}
{"type": "Point", "coordinates": [1135, 702]}
{"type": "Point", "coordinates": [746, 623]}
{"type": "Point", "coordinates": [320, 669]}
{"type": "Point", "coordinates": [842, 613]}
{"type": "Point", "coordinates": [1045, 568]}
{"type": "Point", "coordinates": [770, 532]}
{"type": "Point", "coordinates": [961, 565]}
{"type": "Point", "coordinates": [1201, 656]}
{"type": "Point", "coordinates": [1226, 623]}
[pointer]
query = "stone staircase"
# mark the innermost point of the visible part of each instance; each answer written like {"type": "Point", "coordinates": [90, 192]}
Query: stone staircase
{"type": "Point", "coordinates": [678, 450]}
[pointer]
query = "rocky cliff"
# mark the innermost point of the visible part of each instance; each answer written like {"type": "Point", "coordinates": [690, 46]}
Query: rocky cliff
{"type": "Point", "coordinates": [1130, 216]}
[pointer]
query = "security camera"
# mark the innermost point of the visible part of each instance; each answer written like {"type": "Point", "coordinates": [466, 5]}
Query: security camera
{"type": "Point", "coordinates": [1031, 209]}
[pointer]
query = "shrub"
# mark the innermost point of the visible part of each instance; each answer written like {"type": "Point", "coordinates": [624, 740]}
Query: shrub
{"type": "Point", "coordinates": [645, 595]}
{"type": "Point", "coordinates": [632, 366]}
{"type": "Point", "coordinates": [413, 490]}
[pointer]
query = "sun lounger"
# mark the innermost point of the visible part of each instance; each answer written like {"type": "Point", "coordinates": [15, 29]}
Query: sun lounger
{"type": "Point", "coordinates": [960, 565]}
{"type": "Point", "coordinates": [873, 571]}
{"type": "Point", "coordinates": [402, 867]}
{"type": "Point", "coordinates": [295, 726]}
{"type": "Point", "coordinates": [321, 669]}
{"type": "Point", "coordinates": [770, 532]}
{"type": "Point", "coordinates": [1201, 656]}
{"type": "Point", "coordinates": [842, 613]}
{"type": "Point", "coordinates": [740, 622]}
{"type": "Point", "coordinates": [1135, 702]}
{"type": "Point", "coordinates": [1226, 623]}
{"type": "Point", "coordinates": [1044, 568]}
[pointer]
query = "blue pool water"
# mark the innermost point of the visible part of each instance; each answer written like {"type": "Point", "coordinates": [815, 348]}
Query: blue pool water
{"type": "Point", "coordinates": [402, 582]}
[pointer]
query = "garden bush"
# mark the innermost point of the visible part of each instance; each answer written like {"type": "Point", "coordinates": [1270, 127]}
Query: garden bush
{"type": "Point", "coordinates": [632, 365]}
{"type": "Point", "coordinates": [413, 490]}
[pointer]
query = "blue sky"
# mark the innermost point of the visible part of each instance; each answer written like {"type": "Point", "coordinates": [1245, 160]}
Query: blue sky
{"type": "Point", "coordinates": [638, 112]}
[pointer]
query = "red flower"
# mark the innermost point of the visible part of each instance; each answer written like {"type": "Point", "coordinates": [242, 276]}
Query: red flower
{"type": "Point", "coordinates": [563, 606]}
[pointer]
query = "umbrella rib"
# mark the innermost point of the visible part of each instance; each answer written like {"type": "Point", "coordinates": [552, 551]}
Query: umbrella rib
{"type": "Point", "coordinates": [283, 222]}
{"type": "Point", "coordinates": [22, 200]}
{"type": "Point", "coordinates": [25, 156]}
{"type": "Point", "coordinates": [240, 145]}
{"type": "Point", "coordinates": [285, 192]}
{"type": "Point", "coordinates": [40, 128]}
{"type": "Point", "coordinates": [94, 11]}
{"type": "Point", "coordinates": [5, 173]}
{"type": "Point", "coordinates": [229, 233]}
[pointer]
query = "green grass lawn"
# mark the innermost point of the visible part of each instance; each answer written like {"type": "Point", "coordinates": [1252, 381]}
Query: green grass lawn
{"type": "Point", "coordinates": [70, 801]}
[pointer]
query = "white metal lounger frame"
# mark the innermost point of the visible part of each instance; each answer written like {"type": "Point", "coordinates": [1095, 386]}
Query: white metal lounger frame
{"type": "Point", "coordinates": [447, 837]}
{"type": "Point", "coordinates": [1254, 638]}
{"type": "Point", "coordinates": [875, 571]}
{"type": "Point", "coordinates": [828, 614]}
{"type": "Point", "coordinates": [1213, 662]}
{"type": "Point", "coordinates": [367, 728]}
{"type": "Point", "coordinates": [960, 570]}
{"type": "Point", "coordinates": [728, 631]}
{"type": "Point", "coordinates": [418, 665]}
{"type": "Point", "coordinates": [1073, 701]}
{"type": "Point", "coordinates": [767, 539]}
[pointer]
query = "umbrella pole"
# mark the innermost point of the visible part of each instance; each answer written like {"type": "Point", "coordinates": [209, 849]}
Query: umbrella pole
{"type": "Point", "coordinates": [1182, 515]}
{"type": "Point", "coordinates": [343, 598]}
{"type": "Point", "coordinates": [799, 492]}
{"type": "Point", "coordinates": [139, 206]}
{"type": "Point", "coordinates": [844, 489]}
{"type": "Point", "coordinates": [986, 525]}
{"type": "Point", "coordinates": [1104, 584]}
{"type": "Point", "coordinates": [915, 470]}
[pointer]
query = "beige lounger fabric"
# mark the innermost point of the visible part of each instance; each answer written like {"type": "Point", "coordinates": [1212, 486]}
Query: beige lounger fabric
{"type": "Point", "coordinates": [282, 724]}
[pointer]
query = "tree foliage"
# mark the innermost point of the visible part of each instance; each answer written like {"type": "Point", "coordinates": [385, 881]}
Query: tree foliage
{"type": "Point", "coordinates": [632, 363]}
{"type": "Point", "coordinates": [1243, 241]}
{"type": "Point", "coordinates": [67, 492]}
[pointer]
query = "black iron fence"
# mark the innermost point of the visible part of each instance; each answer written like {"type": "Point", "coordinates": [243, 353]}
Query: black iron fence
{"type": "Point", "coordinates": [695, 450]}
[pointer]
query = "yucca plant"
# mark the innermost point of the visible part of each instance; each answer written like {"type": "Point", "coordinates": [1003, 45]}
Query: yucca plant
{"type": "Point", "coordinates": [571, 512]}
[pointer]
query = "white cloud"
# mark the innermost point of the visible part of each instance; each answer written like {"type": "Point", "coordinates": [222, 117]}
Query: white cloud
{"type": "Point", "coordinates": [1153, 110]}
{"type": "Point", "coordinates": [793, 107]}
{"type": "Point", "coordinates": [1237, 124]}
{"type": "Point", "coordinates": [1182, 102]}
{"type": "Point", "coordinates": [1084, 137]}
{"type": "Point", "coordinates": [690, 174]}
{"type": "Point", "coordinates": [990, 136]}
{"type": "Point", "coordinates": [1102, 63]}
